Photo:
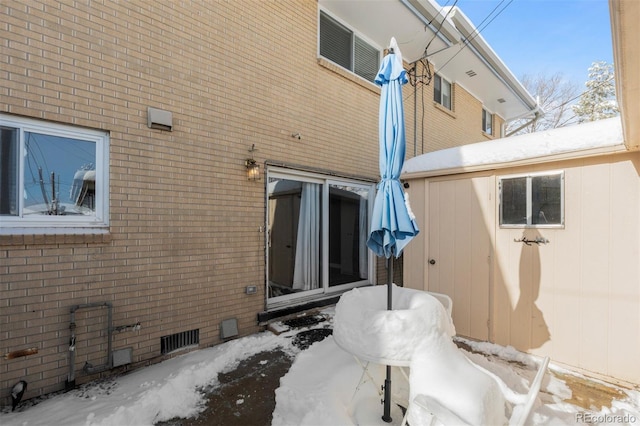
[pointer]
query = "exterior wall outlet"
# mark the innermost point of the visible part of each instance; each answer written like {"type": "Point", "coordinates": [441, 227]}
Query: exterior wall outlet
{"type": "Point", "coordinates": [251, 289]}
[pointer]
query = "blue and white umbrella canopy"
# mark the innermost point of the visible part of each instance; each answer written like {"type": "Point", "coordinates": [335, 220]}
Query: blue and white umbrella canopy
{"type": "Point", "coordinates": [392, 224]}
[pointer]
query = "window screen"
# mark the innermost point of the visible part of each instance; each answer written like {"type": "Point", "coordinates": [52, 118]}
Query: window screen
{"type": "Point", "coordinates": [335, 41]}
{"type": "Point", "coordinates": [535, 200]}
{"type": "Point", "coordinates": [442, 91]}
{"type": "Point", "coordinates": [340, 45]}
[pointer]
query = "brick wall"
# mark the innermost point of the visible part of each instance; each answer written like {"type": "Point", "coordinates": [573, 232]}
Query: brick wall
{"type": "Point", "coordinates": [186, 226]}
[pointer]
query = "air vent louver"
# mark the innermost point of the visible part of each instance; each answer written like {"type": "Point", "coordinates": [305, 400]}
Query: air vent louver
{"type": "Point", "coordinates": [179, 340]}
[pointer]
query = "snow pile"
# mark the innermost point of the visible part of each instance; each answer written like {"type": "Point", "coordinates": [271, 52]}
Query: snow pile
{"type": "Point", "coordinates": [417, 333]}
{"type": "Point", "coordinates": [149, 395]}
{"type": "Point", "coordinates": [441, 372]}
{"type": "Point", "coordinates": [319, 389]}
{"type": "Point", "coordinates": [570, 139]}
{"type": "Point", "coordinates": [364, 327]}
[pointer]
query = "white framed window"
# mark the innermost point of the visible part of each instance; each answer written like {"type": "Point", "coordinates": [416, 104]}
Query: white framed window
{"type": "Point", "coordinates": [53, 177]}
{"type": "Point", "coordinates": [487, 122]}
{"type": "Point", "coordinates": [317, 228]}
{"type": "Point", "coordinates": [534, 200]}
{"type": "Point", "coordinates": [442, 91]}
{"type": "Point", "coordinates": [341, 45]}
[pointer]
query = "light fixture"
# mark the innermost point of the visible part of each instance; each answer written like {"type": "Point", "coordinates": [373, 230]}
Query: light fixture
{"type": "Point", "coordinates": [253, 168]}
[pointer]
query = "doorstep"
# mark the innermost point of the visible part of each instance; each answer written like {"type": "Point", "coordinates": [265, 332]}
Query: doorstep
{"type": "Point", "coordinates": [270, 315]}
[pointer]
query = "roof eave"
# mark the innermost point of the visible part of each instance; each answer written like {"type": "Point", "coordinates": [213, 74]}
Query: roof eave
{"type": "Point", "coordinates": [426, 12]}
{"type": "Point", "coordinates": [625, 16]}
{"type": "Point", "coordinates": [481, 48]}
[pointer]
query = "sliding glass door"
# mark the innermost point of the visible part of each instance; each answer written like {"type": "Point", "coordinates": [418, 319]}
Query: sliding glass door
{"type": "Point", "coordinates": [317, 232]}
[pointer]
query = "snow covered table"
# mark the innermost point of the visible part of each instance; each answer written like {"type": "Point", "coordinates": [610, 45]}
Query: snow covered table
{"type": "Point", "coordinates": [365, 328]}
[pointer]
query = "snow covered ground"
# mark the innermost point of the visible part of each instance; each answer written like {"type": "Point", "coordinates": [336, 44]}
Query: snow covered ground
{"type": "Point", "coordinates": [317, 390]}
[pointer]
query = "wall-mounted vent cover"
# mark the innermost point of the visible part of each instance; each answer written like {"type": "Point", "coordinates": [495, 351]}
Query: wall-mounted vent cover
{"type": "Point", "coordinates": [159, 119]}
{"type": "Point", "coordinates": [228, 328]}
{"type": "Point", "coordinates": [179, 340]}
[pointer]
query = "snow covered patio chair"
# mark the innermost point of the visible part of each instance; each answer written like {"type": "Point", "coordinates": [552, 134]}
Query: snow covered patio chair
{"type": "Point", "coordinates": [464, 393]}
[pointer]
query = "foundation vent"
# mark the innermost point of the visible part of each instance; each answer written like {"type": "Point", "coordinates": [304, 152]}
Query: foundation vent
{"type": "Point", "coordinates": [180, 340]}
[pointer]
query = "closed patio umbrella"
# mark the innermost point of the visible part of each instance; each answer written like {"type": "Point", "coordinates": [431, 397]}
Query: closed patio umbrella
{"type": "Point", "coordinates": [392, 224]}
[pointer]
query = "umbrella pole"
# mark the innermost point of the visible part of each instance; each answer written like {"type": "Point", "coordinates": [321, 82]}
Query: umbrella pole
{"type": "Point", "coordinates": [390, 285]}
{"type": "Point", "coordinates": [387, 382]}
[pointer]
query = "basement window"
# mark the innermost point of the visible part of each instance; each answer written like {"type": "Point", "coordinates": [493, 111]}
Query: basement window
{"type": "Point", "coordinates": [53, 178]}
{"type": "Point", "coordinates": [535, 200]}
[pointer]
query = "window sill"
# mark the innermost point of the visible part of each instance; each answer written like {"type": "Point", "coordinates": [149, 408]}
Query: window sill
{"type": "Point", "coordinates": [23, 239]}
{"type": "Point", "coordinates": [348, 75]}
{"type": "Point", "coordinates": [536, 226]}
{"type": "Point", "coordinates": [444, 109]}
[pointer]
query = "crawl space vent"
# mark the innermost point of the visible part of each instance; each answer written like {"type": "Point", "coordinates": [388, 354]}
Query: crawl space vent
{"type": "Point", "coordinates": [179, 340]}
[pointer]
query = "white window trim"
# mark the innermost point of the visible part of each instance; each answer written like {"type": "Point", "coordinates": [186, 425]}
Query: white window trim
{"type": "Point", "coordinates": [355, 33]}
{"type": "Point", "coordinates": [491, 115]}
{"type": "Point", "coordinates": [99, 223]}
{"type": "Point", "coordinates": [440, 101]}
{"type": "Point", "coordinates": [529, 202]}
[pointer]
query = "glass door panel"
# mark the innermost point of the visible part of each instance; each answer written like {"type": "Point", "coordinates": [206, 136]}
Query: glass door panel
{"type": "Point", "coordinates": [348, 228]}
{"type": "Point", "coordinates": [317, 233]}
{"type": "Point", "coordinates": [295, 230]}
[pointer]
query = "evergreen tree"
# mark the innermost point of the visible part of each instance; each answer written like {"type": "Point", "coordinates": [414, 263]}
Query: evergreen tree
{"type": "Point", "coordinates": [599, 100]}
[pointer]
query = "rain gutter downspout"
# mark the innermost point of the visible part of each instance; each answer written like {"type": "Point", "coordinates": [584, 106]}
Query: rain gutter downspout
{"type": "Point", "coordinates": [415, 115]}
{"type": "Point", "coordinates": [537, 114]}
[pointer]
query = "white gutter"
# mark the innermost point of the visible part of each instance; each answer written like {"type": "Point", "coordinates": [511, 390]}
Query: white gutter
{"type": "Point", "coordinates": [624, 16]}
{"type": "Point", "coordinates": [538, 113]}
{"type": "Point", "coordinates": [426, 12]}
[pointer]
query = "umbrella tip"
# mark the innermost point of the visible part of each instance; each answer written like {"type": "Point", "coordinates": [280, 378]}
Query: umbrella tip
{"type": "Point", "coordinates": [394, 49]}
{"type": "Point", "coordinates": [393, 44]}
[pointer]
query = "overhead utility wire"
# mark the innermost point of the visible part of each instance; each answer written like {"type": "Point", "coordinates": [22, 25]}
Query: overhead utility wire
{"type": "Point", "coordinates": [477, 31]}
{"type": "Point", "coordinates": [425, 78]}
{"type": "Point", "coordinates": [473, 35]}
{"type": "Point", "coordinates": [440, 26]}
{"type": "Point", "coordinates": [580, 95]}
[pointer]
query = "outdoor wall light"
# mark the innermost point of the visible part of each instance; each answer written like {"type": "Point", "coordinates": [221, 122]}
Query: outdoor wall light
{"type": "Point", "coordinates": [253, 168]}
